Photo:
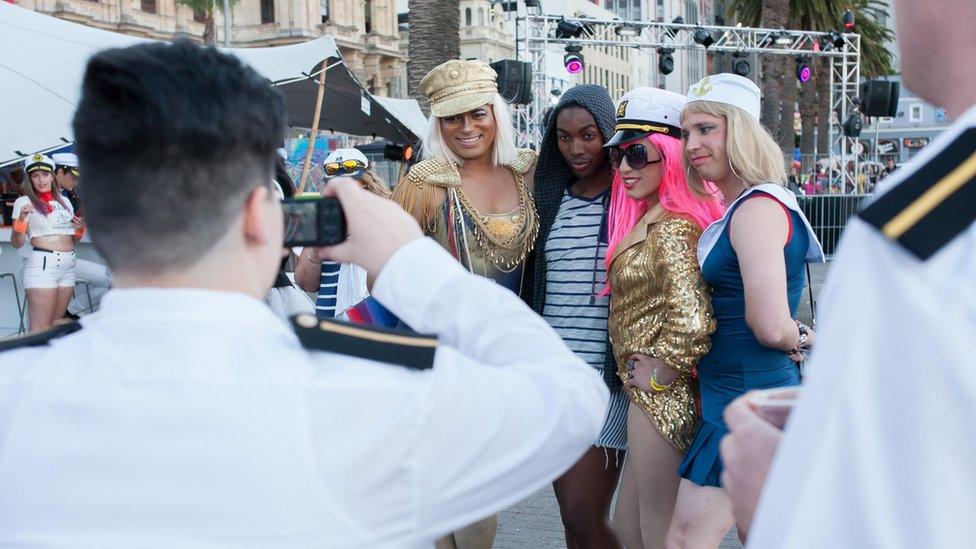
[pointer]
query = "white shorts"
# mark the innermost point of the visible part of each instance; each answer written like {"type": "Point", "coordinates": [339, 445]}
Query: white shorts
{"type": "Point", "coordinates": [50, 270]}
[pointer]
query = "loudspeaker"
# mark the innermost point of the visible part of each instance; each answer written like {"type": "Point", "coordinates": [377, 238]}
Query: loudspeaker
{"type": "Point", "coordinates": [514, 80]}
{"type": "Point", "coordinates": [879, 98]}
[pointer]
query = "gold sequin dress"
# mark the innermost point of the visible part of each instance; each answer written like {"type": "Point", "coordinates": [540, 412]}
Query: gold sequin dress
{"type": "Point", "coordinates": [661, 307]}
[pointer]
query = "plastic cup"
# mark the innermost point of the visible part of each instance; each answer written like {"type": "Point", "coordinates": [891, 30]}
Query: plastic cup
{"type": "Point", "coordinates": [775, 405]}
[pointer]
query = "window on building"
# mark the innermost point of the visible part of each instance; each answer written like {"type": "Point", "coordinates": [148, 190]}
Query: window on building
{"type": "Point", "coordinates": [691, 9]}
{"type": "Point", "coordinates": [467, 17]}
{"type": "Point", "coordinates": [267, 11]}
{"type": "Point", "coordinates": [324, 10]}
{"type": "Point", "coordinates": [149, 6]}
{"type": "Point", "coordinates": [199, 16]}
{"type": "Point", "coordinates": [915, 113]}
{"type": "Point", "coordinates": [368, 16]}
{"type": "Point", "coordinates": [481, 17]}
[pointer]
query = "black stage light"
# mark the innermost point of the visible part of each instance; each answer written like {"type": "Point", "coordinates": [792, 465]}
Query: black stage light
{"type": "Point", "coordinates": [573, 60]}
{"type": "Point", "coordinates": [399, 153]}
{"type": "Point", "coordinates": [568, 29]}
{"type": "Point", "coordinates": [848, 20]}
{"type": "Point", "coordinates": [803, 70]}
{"type": "Point", "coordinates": [852, 126]}
{"type": "Point", "coordinates": [740, 66]}
{"type": "Point", "coordinates": [672, 32]}
{"type": "Point", "coordinates": [665, 62]}
{"type": "Point", "coordinates": [702, 37]}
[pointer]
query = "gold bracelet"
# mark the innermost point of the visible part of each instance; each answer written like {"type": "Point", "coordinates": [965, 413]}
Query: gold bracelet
{"type": "Point", "coordinates": [657, 385]}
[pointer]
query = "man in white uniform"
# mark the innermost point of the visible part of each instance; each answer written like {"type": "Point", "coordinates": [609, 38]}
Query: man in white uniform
{"type": "Point", "coordinates": [94, 274]}
{"type": "Point", "coordinates": [880, 451]}
{"type": "Point", "coordinates": [184, 414]}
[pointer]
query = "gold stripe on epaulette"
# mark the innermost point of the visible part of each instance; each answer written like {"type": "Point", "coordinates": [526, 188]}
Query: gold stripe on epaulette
{"type": "Point", "coordinates": [363, 333]}
{"type": "Point", "coordinates": [929, 200]}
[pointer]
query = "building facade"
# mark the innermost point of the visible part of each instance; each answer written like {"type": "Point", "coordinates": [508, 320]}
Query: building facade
{"type": "Point", "coordinates": [364, 30]}
{"type": "Point", "coordinates": [485, 32]}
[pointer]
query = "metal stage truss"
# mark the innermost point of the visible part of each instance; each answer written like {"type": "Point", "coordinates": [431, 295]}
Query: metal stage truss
{"type": "Point", "coordinates": [537, 32]}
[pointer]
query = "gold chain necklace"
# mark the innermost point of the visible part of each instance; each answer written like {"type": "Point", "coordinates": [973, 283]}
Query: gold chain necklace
{"type": "Point", "coordinates": [507, 254]}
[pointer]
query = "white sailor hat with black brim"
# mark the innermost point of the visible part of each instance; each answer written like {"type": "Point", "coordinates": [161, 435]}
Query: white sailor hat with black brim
{"type": "Point", "coordinates": [39, 162]}
{"type": "Point", "coordinates": [67, 161]}
{"type": "Point", "coordinates": [347, 162]}
{"type": "Point", "coordinates": [644, 111]}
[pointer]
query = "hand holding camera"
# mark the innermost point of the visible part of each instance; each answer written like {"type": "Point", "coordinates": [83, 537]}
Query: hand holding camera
{"type": "Point", "coordinates": [374, 228]}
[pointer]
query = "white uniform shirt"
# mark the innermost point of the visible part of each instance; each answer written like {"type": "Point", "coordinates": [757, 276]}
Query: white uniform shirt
{"type": "Point", "coordinates": [881, 451]}
{"type": "Point", "coordinates": [192, 418]}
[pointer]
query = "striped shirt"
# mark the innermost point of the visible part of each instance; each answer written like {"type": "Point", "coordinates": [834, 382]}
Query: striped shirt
{"type": "Point", "coordinates": [575, 273]}
{"type": "Point", "coordinates": [325, 303]}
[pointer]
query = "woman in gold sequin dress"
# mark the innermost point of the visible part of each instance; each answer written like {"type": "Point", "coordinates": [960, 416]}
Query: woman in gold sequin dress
{"type": "Point", "coordinates": [471, 194]}
{"type": "Point", "coordinates": [660, 308]}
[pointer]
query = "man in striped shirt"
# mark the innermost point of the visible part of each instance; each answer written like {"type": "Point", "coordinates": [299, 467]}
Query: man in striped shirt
{"type": "Point", "coordinates": [572, 190]}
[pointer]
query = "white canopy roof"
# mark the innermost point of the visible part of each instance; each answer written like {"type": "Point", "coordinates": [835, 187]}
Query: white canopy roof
{"type": "Point", "coordinates": [43, 59]}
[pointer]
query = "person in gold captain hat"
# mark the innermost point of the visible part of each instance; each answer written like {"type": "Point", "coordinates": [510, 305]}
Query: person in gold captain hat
{"type": "Point", "coordinates": [471, 193]}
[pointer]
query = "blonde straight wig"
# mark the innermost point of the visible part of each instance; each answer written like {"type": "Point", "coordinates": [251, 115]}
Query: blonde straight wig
{"type": "Point", "coordinates": [503, 149]}
{"type": "Point", "coordinates": [753, 154]}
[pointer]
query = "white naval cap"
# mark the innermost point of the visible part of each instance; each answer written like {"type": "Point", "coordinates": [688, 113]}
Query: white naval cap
{"type": "Point", "coordinates": [643, 111]}
{"type": "Point", "coordinates": [68, 160]}
{"type": "Point", "coordinates": [39, 162]}
{"type": "Point", "coordinates": [730, 89]}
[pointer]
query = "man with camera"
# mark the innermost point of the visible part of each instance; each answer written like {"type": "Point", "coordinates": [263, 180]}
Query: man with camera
{"type": "Point", "coordinates": [184, 413]}
{"type": "Point", "coordinates": [879, 450]}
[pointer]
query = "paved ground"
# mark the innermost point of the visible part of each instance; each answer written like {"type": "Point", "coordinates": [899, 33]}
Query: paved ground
{"type": "Point", "coordinates": [534, 523]}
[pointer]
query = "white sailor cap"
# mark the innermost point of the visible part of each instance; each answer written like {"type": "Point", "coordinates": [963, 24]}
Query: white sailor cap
{"type": "Point", "coordinates": [66, 160]}
{"type": "Point", "coordinates": [643, 111]}
{"type": "Point", "coordinates": [351, 162]}
{"type": "Point", "coordinates": [730, 89]}
{"type": "Point", "coordinates": [39, 162]}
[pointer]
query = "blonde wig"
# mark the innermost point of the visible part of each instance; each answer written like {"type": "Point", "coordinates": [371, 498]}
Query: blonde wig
{"type": "Point", "coordinates": [374, 184]}
{"type": "Point", "coordinates": [503, 149]}
{"type": "Point", "coordinates": [753, 154]}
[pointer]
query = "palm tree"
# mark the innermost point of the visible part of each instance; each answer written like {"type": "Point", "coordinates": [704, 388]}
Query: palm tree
{"type": "Point", "coordinates": [434, 39]}
{"type": "Point", "coordinates": [206, 7]}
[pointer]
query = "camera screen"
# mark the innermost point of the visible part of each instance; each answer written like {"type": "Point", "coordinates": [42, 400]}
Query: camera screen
{"type": "Point", "coordinates": [300, 221]}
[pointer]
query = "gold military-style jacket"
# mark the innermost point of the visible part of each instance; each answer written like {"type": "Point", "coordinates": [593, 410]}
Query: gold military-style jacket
{"type": "Point", "coordinates": [660, 306]}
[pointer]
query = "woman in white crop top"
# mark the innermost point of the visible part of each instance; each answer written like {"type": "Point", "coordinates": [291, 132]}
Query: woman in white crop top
{"type": "Point", "coordinates": [46, 218]}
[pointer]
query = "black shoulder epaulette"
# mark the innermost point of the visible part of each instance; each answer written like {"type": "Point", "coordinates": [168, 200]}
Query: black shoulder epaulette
{"type": "Point", "coordinates": [933, 205]}
{"type": "Point", "coordinates": [414, 351]}
{"type": "Point", "coordinates": [40, 338]}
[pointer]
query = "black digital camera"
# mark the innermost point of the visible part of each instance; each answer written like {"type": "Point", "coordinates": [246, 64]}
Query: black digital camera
{"type": "Point", "coordinates": [313, 220]}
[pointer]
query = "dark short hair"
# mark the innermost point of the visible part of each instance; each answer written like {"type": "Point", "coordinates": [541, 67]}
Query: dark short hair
{"type": "Point", "coordinates": [171, 138]}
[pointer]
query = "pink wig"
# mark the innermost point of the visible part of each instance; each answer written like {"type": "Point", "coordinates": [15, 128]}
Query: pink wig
{"type": "Point", "coordinates": [673, 193]}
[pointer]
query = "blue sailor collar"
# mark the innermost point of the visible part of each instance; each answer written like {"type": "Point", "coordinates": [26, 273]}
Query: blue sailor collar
{"type": "Point", "coordinates": [714, 231]}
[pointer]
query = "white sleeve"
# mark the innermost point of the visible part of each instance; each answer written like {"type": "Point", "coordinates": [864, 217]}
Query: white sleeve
{"type": "Point", "coordinates": [19, 205]}
{"type": "Point", "coordinates": [880, 450]}
{"type": "Point", "coordinates": [509, 406]}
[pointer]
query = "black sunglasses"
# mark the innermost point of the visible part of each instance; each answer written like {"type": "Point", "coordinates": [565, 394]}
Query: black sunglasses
{"type": "Point", "coordinates": [636, 157]}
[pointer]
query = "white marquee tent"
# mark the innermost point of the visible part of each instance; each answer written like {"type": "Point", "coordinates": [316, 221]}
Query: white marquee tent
{"type": "Point", "coordinates": [42, 62]}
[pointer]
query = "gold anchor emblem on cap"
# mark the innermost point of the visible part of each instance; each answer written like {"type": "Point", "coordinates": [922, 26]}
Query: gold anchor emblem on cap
{"type": "Point", "coordinates": [622, 109]}
{"type": "Point", "coordinates": [38, 158]}
{"type": "Point", "coordinates": [703, 87]}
